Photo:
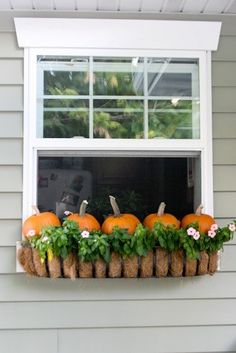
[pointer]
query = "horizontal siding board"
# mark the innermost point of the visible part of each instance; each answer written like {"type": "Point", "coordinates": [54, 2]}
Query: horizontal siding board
{"type": "Point", "coordinates": [226, 49]}
{"type": "Point", "coordinates": [11, 98]}
{"type": "Point", "coordinates": [20, 287]}
{"type": "Point", "coordinates": [8, 260]}
{"type": "Point", "coordinates": [10, 205]}
{"type": "Point", "coordinates": [10, 232]}
{"type": "Point", "coordinates": [224, 74]}
{"type": "Point", "coordinates": [224, 125]}
{"type": "Point", "coordinates": [14, 148]}
{"type": "Point", "coordinates": [225, 204]}
{"type": "Point", "coordinates": [224, 152]}
{"type": "Point", "coordinates": [11, 124]}
{"type": "Point", "coordinates": [224, 178]}
{"type": "Point", "coordinates": [159, 340]}
{"type": "Point", "coordinates": [228, 262]}
{"type": "Point", "coordinates": [152, 313]}
{"type": "Point", "coordinates": [11, 178]}
{"type": "Point", "coordinates": [11, 71]}
{"type": "Point", "coordinates": [28, 341]}
{"type": "Point", "coordinates": [224, 99]}
{"type": "Point", "coordinates": [9, 46]}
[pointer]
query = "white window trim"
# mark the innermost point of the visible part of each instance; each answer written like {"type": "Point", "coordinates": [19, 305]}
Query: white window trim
{"type": "Point", "coordinates": [33, 34]}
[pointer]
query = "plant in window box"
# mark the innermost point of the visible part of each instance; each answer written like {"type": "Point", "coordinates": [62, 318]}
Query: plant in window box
{"type": "Point", "coordinates": [93, 248]}
{"type": "Point", "coordinates": [57, 243]}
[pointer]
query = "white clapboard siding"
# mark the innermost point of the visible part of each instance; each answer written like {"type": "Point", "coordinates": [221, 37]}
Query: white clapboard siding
{"type": "Point", "coordinates": [224, 125]}
{"type": "Point", "coordinates": [14, 153]}
{"type": "Point", "coordinates": [91, 314]}
{"type": "Point", "coordinates": [11, 98]}
{"type": "Point", "coordinates": [224, 151]}
{"type": "Point", "coordinates": [20, 288]}
{"type": "Point", "coordinates": [9, 47]}
{"type": "Point", "coordinates": [10, 231]}
{"type": "Point", "coordinates": [225, 204]}
{"type": "Point", "coordinates": [28, 341]}
{"type": "Point", "coordinates": [11, 71]}
{"type": "Point", "coordinates": [228, 262]}
{"type": "Point", "coordinates": [224, 99]}
{"type": "Point", "coordinates": [224, 74]}
{"type": "Point", "coordinates": [10, 205]}
{"type": "Point", "coordinates": [159, 340]}
{"type": "Point", "coordinates": [226, 49]}
{"type": "Point", "coordinates": [11, 124]}
{"type": "Point", "coordinates": [8, 259]}
{"type": "Point", "coordinates": [11, 178]}
{"type": "Point", "coordinates": [224, 178]}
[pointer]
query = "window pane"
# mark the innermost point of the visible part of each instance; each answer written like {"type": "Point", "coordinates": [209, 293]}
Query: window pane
{"type": "Point", "coordinates": [170, 119]}
{"type": "Point", "coordinates": [118, 118]}
{"type": "Point", "coordinates": [173, 86]}
{"type": "Point", "coordinates": [63, 182]}
{"type": "Point", "coordinates": [118, 76]}
{"type": "Point", "coordinates": [62, 82]}
{"type": "Point", "coordinates": [125, 97]}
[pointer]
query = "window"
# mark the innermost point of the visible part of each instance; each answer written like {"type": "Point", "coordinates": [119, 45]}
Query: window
{"type": "Point", "coordinates": [107, 114]}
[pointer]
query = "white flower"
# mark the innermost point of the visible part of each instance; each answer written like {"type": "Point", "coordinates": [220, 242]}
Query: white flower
{"type": "Point", "coordinates": [196, 236]}
{"type": "Point", "coordinates": [85, 234]}
{"type": "Point", "coordinates": [31, 233]}
{"type": "Point", "coordinates": [214, 227]}
{"type": "Point", "coordinates": [211, 233]}
{"type": "Point", "coordinates": [44, 239]}
{"type": "Point", "coordinates": [191, 231]}
{"type": "Point", "coordinates": [232, 227]}
{"type": "Point", "coordinates": [67, 213]}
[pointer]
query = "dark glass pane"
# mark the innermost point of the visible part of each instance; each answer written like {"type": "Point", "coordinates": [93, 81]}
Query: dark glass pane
{"type": "Point", "coordinates": [63, 182]}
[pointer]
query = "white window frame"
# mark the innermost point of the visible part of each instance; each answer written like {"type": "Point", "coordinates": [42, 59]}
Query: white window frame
{"type": "Point", "coordinates": [34, 37]}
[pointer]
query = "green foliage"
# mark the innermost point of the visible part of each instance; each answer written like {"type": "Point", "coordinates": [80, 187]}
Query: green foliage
{"type": "Point", "coordinates": [121, 242]}
{"type": "Point", "coordinates": [60, 241]}
{"type": "Point", "coordinates": [166, 237]}
{"type": "Point", "coordinates": [95, 246]}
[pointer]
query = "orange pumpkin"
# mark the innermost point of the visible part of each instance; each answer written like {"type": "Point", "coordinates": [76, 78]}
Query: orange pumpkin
{"type": "Point", "coordinates": [126, 221]}
{"type": "Point", "coordinates": [84, 220]}
{"type": "Point", "coordinates": [166, 219]}
{"type": "Point", "coordinates": [33, 225]}
{"type": "Point", "coordinates": [204, 220]}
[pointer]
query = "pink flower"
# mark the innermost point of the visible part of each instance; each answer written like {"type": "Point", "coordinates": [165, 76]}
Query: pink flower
{"type": "Point", "coordinates": [67, 213]}
{"type": "Point", "coordinates": [211, 233]}
{"type": "Point", "coordinates": [85, 234]}
{"type": "Point", "coordinates": [196, 236]}
{"type": "Point", "coordinates": [31, 233]}
{"type": "Point", "coordinates": [232, 227]}
{"type": "Point", "coordinates": [191, 231]}
{"type": "Point", "coordinates": [214, 227]}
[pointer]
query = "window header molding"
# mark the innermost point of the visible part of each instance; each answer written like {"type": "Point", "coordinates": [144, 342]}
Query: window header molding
{"type": "Point", "coordinates": [117, 34]}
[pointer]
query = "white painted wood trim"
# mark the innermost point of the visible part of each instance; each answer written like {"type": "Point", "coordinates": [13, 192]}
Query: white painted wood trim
{"type": "Point", "coordinates": [116, 34]}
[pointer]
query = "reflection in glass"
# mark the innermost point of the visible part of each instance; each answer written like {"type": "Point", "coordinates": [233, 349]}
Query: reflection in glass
{"type": "Point", "coordinates": [118, 119]}
{"type": "Point", "coordinates": [171, 119]}
{"type": "Point", "coordinates": [118, 76]}
{"type": "Point", "coordinates": [64, 182]}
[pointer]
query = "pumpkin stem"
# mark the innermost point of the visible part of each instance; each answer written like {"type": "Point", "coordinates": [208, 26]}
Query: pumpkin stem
{"type": "Point", "coordinates": [35, 209]}
{"type": "Point", "coordinates": [199, 210]}
{"type": "Point", "coordinates": [161, 209]}
{"type": "Point", "coordinates": [82, 209]}
{"type": "Point", "coordinates": [114, 206]}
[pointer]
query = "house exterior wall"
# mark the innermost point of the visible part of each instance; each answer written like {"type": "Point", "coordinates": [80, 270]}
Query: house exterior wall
{"type": "Point", "coordinates": [104, 316]}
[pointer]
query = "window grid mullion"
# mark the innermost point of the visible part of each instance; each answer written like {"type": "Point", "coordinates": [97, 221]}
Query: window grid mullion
{"type": "Point", "coordinates": [91, 97]}
{"type": "Point", "coordinates": [145, 82]}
